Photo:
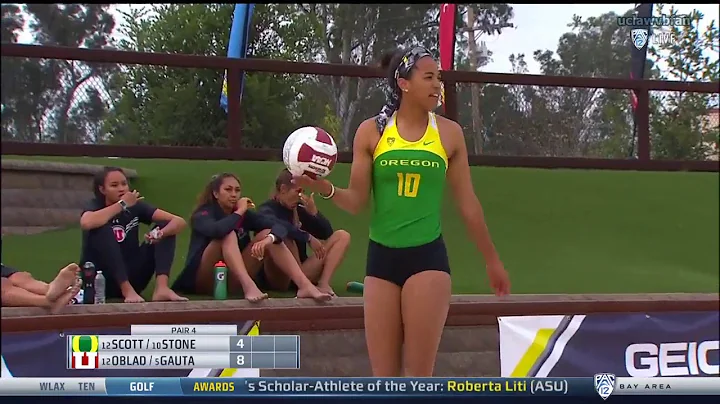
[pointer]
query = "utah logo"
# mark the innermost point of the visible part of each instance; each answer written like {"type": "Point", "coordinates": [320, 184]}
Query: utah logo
{"type": "Point", "coordinates": [119, 232]}
{"type": "Point", "coordinates": [390, 141]}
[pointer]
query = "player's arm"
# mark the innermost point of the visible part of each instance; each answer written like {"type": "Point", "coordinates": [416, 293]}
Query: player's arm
{"type": "Point", "coordinates": [95, 216]}
{"type": "Point", "coordinates": [458, 175]}
{"type": "Point", "coordinates": [354, 198]}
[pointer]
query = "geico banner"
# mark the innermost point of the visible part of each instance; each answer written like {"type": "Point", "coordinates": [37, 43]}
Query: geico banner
{"type": "Point", "coordinates": [627, 345]}
{"type": "Point", "coordinates": [44, 354]}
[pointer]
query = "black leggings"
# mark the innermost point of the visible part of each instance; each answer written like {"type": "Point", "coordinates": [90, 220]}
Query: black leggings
{"type": "Point", "coordinates": [106, 254]}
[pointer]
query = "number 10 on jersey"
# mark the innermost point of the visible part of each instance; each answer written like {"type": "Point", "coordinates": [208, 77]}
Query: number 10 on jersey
{"type": "Point", "coordinates": [408, 184]}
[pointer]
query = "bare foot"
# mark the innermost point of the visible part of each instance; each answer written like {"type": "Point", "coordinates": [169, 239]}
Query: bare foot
{"type": "Point", "coordinates": [134, 298]}
{"type": "Point", "coordinates": [65, 278]}
{"type": "Point", "coordinates": [167, 295]}
{"type": "Point", "coordinates": [254, 295]}
{"type": "Point", "coordinates": [64, 299]}
{"type": "Point", "coordinates": [312, 292]}
{"type": "Point", "coordinates": [325, 288]}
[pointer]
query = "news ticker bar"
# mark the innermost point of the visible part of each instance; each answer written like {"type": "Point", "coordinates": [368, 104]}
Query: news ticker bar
{"type": "Point", "coordinates": [200, 343]}
{"type": "Point", "coordinates": [415, 387]}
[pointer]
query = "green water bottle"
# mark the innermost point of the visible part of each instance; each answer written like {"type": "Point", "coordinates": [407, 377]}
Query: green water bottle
{"type": "Point", "coordinates": [220, 290]}
{"type": "Point", "coordinates": [355, 287]}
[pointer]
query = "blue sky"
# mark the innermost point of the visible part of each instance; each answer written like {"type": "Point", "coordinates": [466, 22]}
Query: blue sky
{"type": "Point", "coordinates": [536, 27]}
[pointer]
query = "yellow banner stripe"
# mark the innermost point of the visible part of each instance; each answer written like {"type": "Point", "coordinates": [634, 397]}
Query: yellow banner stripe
{"type": "Point", "coordinates": [254, 330]}
{"type": "Point", "coordinates": [533, 352]}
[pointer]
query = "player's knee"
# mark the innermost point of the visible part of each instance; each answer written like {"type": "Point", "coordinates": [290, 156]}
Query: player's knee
{"type": "Point", "coordinates": [230, 238]}
{"type": "Point", "coordinates": [342, 236]}
{"type": "Point", "coordinates": [19, 278]}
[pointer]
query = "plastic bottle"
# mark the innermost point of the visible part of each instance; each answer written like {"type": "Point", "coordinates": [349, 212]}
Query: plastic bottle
{"type": "Point", "coordinates": [99, 288]}
{"type": "Point", "coordinates": [355, 287]}
{"type": "Point", "coordinates": [220, 290]}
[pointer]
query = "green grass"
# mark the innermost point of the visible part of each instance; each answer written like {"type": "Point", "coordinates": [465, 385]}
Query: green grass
{"type": "Point", "coordinates": [558, 231]}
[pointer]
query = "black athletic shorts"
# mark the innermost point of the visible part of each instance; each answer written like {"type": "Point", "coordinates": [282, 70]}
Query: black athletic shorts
{"type": "Point", "coordinates": [7, 271]}
{"type": "Point", "coordinates": [397, 265]}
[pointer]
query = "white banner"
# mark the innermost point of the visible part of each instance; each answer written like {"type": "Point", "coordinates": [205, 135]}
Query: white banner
{"type": "Point", "coordinates": [678, 344]}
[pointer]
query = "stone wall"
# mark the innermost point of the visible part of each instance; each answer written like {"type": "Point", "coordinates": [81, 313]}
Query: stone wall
{"type": "Point", "coordinates": [38, 196]}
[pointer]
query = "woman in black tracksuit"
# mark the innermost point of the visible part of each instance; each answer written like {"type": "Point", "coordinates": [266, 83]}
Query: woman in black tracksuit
{"type": "Point", "coordinates": [221, 226]}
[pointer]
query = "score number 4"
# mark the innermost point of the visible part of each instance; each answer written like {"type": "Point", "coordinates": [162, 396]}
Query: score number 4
{"type": "Point", "coordinates": [408, 185]}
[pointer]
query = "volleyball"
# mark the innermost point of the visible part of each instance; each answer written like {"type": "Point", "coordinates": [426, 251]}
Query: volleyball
{"type": "Point", "coordinates": [311, 151]}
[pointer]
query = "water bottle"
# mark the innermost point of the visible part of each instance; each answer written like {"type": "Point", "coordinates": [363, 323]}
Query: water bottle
{"type": "Point", "coordinates": [220, 290]}
{"type": "Point", "coordinates": [355, 287]}
{"type": "Point", "coordinates": [88, 282]}
{"type": "Point", "coordinates": [99, 288]}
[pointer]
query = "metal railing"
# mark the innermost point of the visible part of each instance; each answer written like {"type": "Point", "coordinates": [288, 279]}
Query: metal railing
{"type": "Point", "coordinates": [235, 151]}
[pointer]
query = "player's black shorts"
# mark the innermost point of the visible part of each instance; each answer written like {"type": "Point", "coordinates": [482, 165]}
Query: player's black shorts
{"type": "Point", "coordinates": [397, 265]}
{"type": "Point", "coordinates": [7, 271]}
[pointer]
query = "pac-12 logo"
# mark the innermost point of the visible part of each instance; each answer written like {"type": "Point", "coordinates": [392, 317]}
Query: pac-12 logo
{"type": "Point", "coordinates": [639, 37]}
{"type": "Point", "coordinates": [604, 384]}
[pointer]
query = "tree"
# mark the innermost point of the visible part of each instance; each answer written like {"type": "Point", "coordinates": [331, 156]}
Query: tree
{"type": "Point", "coordinates": [56, 100]}
{"type": "Point", "coordinates": [360, 34]}
{"type": "Point", "coordinates": [561, 121]}
{"type": "Point", "coordinates": [677, 128]}
{"type": "Point", "coordinates": [179, 106]}
{"type": "Point", "coordinates": [481, 19]}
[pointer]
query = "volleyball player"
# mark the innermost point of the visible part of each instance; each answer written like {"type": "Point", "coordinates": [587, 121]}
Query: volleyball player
{"type": "Point", "coordinates": [406, 154]}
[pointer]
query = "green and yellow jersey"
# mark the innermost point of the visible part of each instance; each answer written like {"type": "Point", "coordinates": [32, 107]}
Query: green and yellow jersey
{"type": "Point", "coordinates": [408, 183]}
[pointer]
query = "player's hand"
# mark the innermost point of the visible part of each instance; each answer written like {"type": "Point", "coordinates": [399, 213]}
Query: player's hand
{"type": "Point", "coordinates": [154, 236]}
{"type": "Point", "coordinates": [243, 205]}
{"type": "Point", "coordinates": [498, 276]}
{"type": "Point", "coordinates": [319, 185]}
{"type": "Point", "coordinates": [131, 198]}
{"type": "Point", "coordinates": [317, 247]}
{"type": "Point", "coordinates": [308, 203]}
{"type": "Point", "coordinates": [257, 250]}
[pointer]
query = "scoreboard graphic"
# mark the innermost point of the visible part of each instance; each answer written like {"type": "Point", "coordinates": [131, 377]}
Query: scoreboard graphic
{"type": "Point", "coordinates": [182, 347]}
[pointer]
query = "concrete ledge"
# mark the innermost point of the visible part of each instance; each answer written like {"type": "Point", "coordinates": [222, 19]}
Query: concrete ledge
{"type": "Point", "coordinates": [343, 313]}
{"type": "Point", "coordinates": [333, 342]}
{"type": "Point", "coordinates": [57, 167]}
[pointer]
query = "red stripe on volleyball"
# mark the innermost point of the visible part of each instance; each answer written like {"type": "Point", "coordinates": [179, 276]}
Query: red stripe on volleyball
{"type": "Point", "coordinates": [322, 136]}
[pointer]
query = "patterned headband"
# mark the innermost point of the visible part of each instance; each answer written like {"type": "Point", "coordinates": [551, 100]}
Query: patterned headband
{"type": "Point", "coordinates": [408, 61]}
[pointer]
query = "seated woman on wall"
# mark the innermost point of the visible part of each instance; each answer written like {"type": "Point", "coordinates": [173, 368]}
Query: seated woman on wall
{"type": "Point", "coordinates": [111, 241]}
{"type": "Point", "coordinates": [221, 225]}
{"type": "Point", "coordinates": [20, 289]}
{"type": "Point", "coordinates": [301, 216]}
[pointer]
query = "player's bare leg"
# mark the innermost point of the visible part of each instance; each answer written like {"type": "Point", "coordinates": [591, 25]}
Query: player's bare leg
{"type": "Point", "coordinates": [425, 304]}
{"type": "Point", "coordinates": [383, 326]}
